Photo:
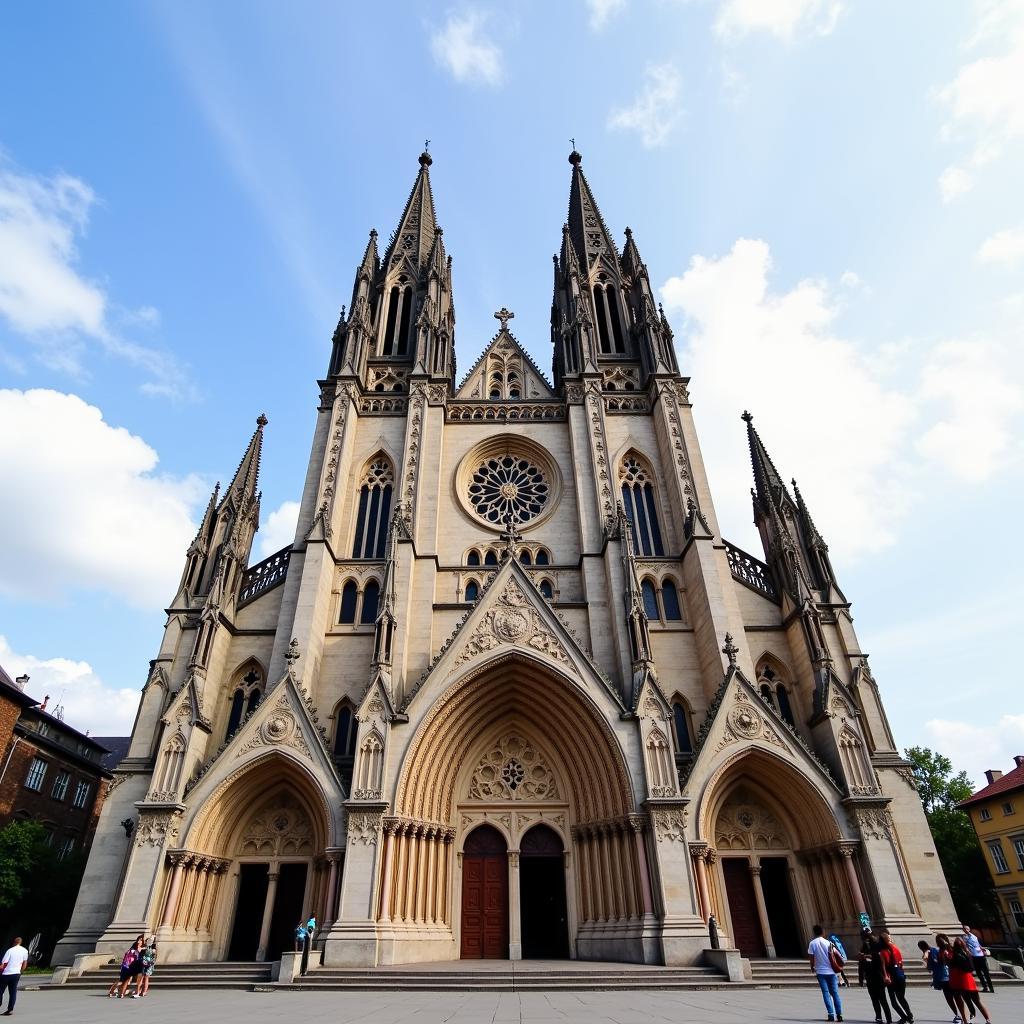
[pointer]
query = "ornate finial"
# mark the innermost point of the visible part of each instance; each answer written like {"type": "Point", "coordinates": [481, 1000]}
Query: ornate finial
{"type": "Point", "coordinates": [574, 158]}
{"type": "Point", "coordinates": [425, 158]}
{"type": "Point", "coordinates": [292, 654]}
{"type": "Point", "coordinates": [261, 420]}
{"type": "Point", "coordinates": [504, 316]}
{"type": "Point", "coordinates": [629, 231]}
{"type": "Point", "coordinates": [373, 232]}
{"type": "Point", "coordinates": [730, 650]}
{"type": "Point", "coordinates": [747, 417]}
{"type": "Point", "coordinates": [426, 145]}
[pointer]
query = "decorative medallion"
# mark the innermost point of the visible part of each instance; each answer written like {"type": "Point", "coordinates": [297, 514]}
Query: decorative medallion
{"type": "Point", "coordinates": [508, 486]}
{"type": "Point", "coordinates": [513, 769]}
{"type": "Point", "coordinates": [745, 720]}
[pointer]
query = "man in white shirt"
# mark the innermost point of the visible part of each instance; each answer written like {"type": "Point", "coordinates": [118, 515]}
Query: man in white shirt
{"type": "Point", "coordinates": [819, 955]}
{"type": "Point", "coordinates": [977, 951]}
{"type": "Point", "coordinates": [10, 974]}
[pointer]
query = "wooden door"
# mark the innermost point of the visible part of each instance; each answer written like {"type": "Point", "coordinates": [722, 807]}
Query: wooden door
{"type": "Point", "coordinates": [485, 896]}
{"type": "Point", "coordinates": [739, 887]}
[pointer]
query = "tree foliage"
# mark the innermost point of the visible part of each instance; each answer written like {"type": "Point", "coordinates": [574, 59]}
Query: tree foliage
{"type": "Point", "coordinates": [960, 854]}
{"type": "Point", "coordinates": [21, 843]}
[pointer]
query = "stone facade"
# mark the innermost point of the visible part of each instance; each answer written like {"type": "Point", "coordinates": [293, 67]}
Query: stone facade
{"type": "Point", "coordinates": [509, 692]}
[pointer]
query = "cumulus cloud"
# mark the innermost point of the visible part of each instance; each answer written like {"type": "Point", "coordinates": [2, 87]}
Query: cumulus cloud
{"type": "Point", "coordinates": [89, 704]}
{"type": "Point", "coordinates": [655, 110]}
{"type": "Point", "coordinates": [602, 11]}
{"type": "Point", "coordinates": [1003, 247]}
{"type": "Point", "coordinates": [279, 528]}
{"type": "Point", "coordinates": [985, 100]}
{"type": "Point", "coordinates": [46, 298]}
{"type": "Point", "coordinates": [784, 19]}
{"type": "Point", "coordinates": [85, 506]}
{"type": "Point", "coordinates": [463, 48]}
{"type": "Point", "coordinates": [976, 748]}
{"type": "Point", "coordinates": [953, 182]}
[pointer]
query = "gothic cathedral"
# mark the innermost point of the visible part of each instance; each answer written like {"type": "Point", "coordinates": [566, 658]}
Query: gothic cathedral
{"type": "Point", "coordinates": [509, 693]}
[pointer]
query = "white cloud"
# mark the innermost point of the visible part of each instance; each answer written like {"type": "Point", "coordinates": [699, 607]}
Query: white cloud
{"type": "Point", "coordinates": [602, 11]}
{"type": "Point", "coordinates": [976, 748]}
{"type": "Point", "coordinates": [750, 347]}
{"type": "Point", "coordinates": [462, 47]}
{"type": "Point", "coordinates": [278, 529]}
{"type": "Point", "coordinates": [953, 182]}
{"type": "Point", "coordinates": [655, 110]}
{"type": "Point", "coordinates": [44, 296]}
{"type": "Point", "coordinates": [979, 397]}
{"type": "Point", "coordinates": [784, 19]}
{"type": "Point", "coordinates": [85, 508]}
{"type": "Point", "coordinates": [89, 705]}
{"type": "Point", "coordinates": [1003, 247]}
{"type": "Point", "coordinates": [985, 100]}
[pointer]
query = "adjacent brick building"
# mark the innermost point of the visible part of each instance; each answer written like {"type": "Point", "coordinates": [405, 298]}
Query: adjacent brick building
{"type": "Point", "coordinates": [51, 772]}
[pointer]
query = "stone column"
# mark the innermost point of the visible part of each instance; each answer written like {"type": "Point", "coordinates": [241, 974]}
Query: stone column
{"type": "Point", "coordinates": [331, 903]}
{"type": "Point", "coordinates": [390, 828]}
{"type": "Point", "coordinates": [641, 856]}
{"type": "Point", "coordinates": [268, 913]}
{"type": "Point", "coordinates": [698, 852]}
{"type": "Point", "coordinates": [572, 909]}
{"type": "Point", "coordinates": [515, 938]}
{"type": "Point", "coordinates": [847, 851]}
{"type": "Point", "coordinates": [762, 912]}
{"type": "Point", "coordinates": [174, 891]}
{"type": "Point", "coordinates": [430, 914]}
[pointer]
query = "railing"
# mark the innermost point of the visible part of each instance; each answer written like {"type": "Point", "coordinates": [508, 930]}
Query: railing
{"type": "Point", "coordinates": [750, 571]}
{"type": "Point", "coordinates": [264, 576]}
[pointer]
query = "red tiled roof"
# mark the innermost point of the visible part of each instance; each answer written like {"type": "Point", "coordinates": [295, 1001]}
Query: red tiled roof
{"type": "Point", "coordinates": [1010, 781]}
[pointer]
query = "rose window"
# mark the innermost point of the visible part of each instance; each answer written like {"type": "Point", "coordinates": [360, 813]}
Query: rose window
{"type": "Point", "coordinates": [508, 484]}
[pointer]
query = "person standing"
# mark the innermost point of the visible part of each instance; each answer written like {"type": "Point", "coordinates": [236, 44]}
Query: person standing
{"type": "Point", "coordinates": [844, 982]}
{"type": "Point", "coordinates": [147, 965]}
{"type": "Point", "coordinates": [301, 934]}
{"type": "Point", "coordinates": [14, 960]}
{"type": "Point", "coordinates": [892, 958]}
{"type": "Point", "coordinates": [131, 965]}
{"type": "Point", "coordinates": [871, 971]}
{"type": "Point", "coordinates": [978, 958]}
{"type": "Point", "coordinates": [961, 979]}
{"type": "Point", "coordinates": [940, 976]}
{"type": "Point", "coordinates": [819, 955]}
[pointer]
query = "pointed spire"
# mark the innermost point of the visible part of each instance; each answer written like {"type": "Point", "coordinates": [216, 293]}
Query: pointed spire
{"type": "Point", "coordinates": [203, 534]}
{"type": "Point", "coordinates": [806, 522]}
{"type": "Point", "coordinates": [414, 235]}
{"type": "Point", "coordinates": [590, 236]}
{"type": "Point", "coordinates": [770, 487]}
{"type": "Point", "coordinates": [371, 261]}
{"type": "Point", "coordinates": [632, 265]}
{"type": "Point", "coordinates": [242, 488]}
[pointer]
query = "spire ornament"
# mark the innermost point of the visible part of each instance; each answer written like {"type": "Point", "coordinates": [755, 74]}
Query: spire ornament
{"type": "Point", "coordinates": [504, 315]}
{"type": "Point", "coordinates": [730, 650]}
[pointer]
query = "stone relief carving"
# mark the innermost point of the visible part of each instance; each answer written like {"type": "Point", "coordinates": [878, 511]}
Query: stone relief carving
{"type": "Point", "coordinates": [157, 829]}
{"type": "Point", "coordinates": [281, 830]}
{"type": "Point", "coordinates": [669, 824]}
{"type": "Point", "coordinates": [513, 769]}
{"type": "Point", "coordinates": [412, 453]}
{"type": "Point", "coordinates": [279, 728]}
{"type": "Point", "coordinates": [513, 620]}
{"type": "Point", "coordinates": [744, 721]}
{"type": "Point", "coordinates": [873, 822]}
{"type": "Point", "coordinates": [364, 827]}
{"type": "Point", "coordinates": [745, 824]}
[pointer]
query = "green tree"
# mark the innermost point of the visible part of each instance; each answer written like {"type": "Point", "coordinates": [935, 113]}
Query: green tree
{"type": "Point", "coordinates": [21, 846]}
{"type": "Point", "coordinates": [960, 854]}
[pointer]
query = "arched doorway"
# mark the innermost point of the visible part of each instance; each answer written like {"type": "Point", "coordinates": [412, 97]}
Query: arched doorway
{"type": "Point", "coordinates": [485, 895]}
{"type": "Point", "coordinates": [542, 903]}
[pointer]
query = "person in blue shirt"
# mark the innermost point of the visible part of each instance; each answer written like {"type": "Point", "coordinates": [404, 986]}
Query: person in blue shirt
{"type": "Point", "coordinates": [940, 976]}
{"type": "Point", "coordinates": [844, 982]}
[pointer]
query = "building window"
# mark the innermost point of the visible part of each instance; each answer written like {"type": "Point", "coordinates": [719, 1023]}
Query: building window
{"type": "Point", "coordinates": [650, 599]}
{"type": "Point", "coordinates": [609, 326]}
{"type": "Point", "coordinates": [670, 602]}
{"type": "Point", "coordinates": [36, 774]}
{"type": "Point", "coordinates": [545, 589]}
{"type": "Point", "coordinates": [60, 786]}
{"type": "Point", "coordinates": [985, 814]}
{"type": "Point", "coordinates": [374, 513]}
{"type": "Point", "coordinates": [472, 591]}
{"type": "Point", "coordinates": [543, 558]}
{"type": "Point", "coordinates": [244, 701]}
{"type": "Point", "coordinates": [396, 325]}
{"type": "Point", "coordinates": [1018, 913]}
{"type": "Point", "coordinates": [526, 556]}
{"type": "Point", "coordinates": [638, 500]}
{"type": "Point", "coordinates": [680, 720]}
{"type": "Point", "coordinates": [1007, 808]}
{"type": "Point", "coordinates": [490, 558]}
{"type": "Point", "coordinates": [1018, 848]}
{"type": "Point", "coordinates": [349, 593]}
{"type": "Point", "coordinates": [81, 794]}
{"type": "Point", "coordinates": [66, 847]}
{"type": "Point", "coordinates": [371, 600]}
{"type": "Point", "coordinates": [785, 708]}
{"type": "Point", "coordinates": [473, 558]}
{"type": "Point", "coordinates": [345, 729]}
{"type": "Point", "coordinates": [998, 858]}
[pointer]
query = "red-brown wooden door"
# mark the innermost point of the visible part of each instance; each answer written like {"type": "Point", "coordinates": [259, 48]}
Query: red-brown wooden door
{"type": "Point", "coordinates": [739, 887]}
{"type": "Point", "coordinates": [485, 896]}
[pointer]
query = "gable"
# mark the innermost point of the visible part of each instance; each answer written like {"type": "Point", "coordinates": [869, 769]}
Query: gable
{"type": "Point", "coordinates": [504, 372]}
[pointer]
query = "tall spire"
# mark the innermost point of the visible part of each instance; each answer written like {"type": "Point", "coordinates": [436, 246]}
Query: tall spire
{"type": "Point", "coordinates": [242, 489]}
{"type": "Point", "coordinates": [414, 235]}
{"type": "Point", "coordinates": [770, 488]}
{"type": "Point", "coordinates": [590, 236]}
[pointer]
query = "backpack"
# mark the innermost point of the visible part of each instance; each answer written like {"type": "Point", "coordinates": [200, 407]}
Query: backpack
{"type": "Point", "coordinates": [835, 958]}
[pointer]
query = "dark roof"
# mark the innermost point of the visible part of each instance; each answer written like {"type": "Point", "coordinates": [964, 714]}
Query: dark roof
{"type": "Point", "coordinates": [117, 747]}
{"type": "Point", "coordinates": [1010, 781]}
{"type": "Point", "coordinates": [12, 691]}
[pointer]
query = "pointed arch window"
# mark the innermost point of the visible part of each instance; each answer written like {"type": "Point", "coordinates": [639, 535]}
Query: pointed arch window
{"type": "Point", "coordinates": [472, 591]}
{"type": "Point", "coordinates": [640, 504]}
{"type": "Point", "coordinates": [609, 322]}
{"type": "Point", "coordinates": [526, 557]}
{"type": "Point", "coordinates": [235, 717]}
{"type": "Point", "coordinates": [245, 700]}
{"type": "Point", "coordinates": [545, 589]}
{"type": "Point", "coordinates": [371, 601]}
{"type": "Point", "coordinates": [650, 599]}
{"type": "Point", "coordinates": [670, 601]}
{"type": "Point", "coordinates": [543, 558]}
{"type": "Point", "coordinates": [785, 708]}
{"type": "Point", "coordinates": [349, 595]}
{"type": "Point", "coordinates": [345, 728]}
{"type": "Point", "coordinates": [491, 558]}
{"type": "Point", "coordinates": [681, 724]}
{"type": "Point", "coordinates": [473, 558]}
{"type": "Point", "coordinates": [395, 341]}
{"type": "Point", "coordinates": [774, 691]}
{"type": "Point", "coordinates": [374, 512]}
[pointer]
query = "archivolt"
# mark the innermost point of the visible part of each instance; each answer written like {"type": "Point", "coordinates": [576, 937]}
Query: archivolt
{"type": "Point", "coordinates": [540, 702]}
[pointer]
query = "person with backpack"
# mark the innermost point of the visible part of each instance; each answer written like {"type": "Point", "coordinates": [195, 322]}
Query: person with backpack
{"type": "Point", "coordinates": [892, 959]}
{"type": "Point", "coordinates": [932, 959]}
{"type": "Point", "coordinates": [871, 971]}
{"type": "Point", "coordinates": [826, 963]}
{"type": "Point", "coordinates": [961, 978]}
{"type": "Point", "coordinates": [837, 942]}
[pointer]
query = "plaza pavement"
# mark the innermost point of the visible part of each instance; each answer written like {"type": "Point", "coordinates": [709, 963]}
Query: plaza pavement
{"type": "Point", "coordinates": [636, 1007]}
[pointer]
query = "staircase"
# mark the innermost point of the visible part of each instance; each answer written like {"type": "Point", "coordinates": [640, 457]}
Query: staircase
{"type": "Point", "coordinates": [787, 973]}
{"type": "Point", "coordinates": [242, 976]}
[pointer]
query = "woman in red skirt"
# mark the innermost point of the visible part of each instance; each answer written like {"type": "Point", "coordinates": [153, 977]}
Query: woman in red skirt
{"type": "Point", "coordinates": [961, 978]}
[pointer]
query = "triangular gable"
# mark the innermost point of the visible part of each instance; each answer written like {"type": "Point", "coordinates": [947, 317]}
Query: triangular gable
{"type": "Point", "coordinates": [512, 615]}
{"type": "Point", "coordinates": [507, 352]}
{"type": "Point", "coordinates": [187, 705]}
{"type": "Point", "coordinates": [284, 723]}
{"type": "Point", "coordinates": [738, 718]}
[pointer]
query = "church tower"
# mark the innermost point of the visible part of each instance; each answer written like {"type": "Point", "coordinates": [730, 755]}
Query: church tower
{"type": "Point", "coordinates": [509, 692]}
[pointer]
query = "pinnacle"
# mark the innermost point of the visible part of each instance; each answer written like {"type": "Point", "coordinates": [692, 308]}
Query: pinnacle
{"type": "Point", "coordinates": [261, 420]}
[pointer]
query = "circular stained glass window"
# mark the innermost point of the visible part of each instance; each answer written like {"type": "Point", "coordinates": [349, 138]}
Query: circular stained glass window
{"type": "Point", "coordinates": [507, 484]}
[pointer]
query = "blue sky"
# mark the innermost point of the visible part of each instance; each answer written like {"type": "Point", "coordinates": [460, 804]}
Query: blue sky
{"type": "Point", "coordinates": [826, 194]}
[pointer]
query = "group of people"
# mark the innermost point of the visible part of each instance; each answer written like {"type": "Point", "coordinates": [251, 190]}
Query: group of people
{"type": "Point", "coordinates": [138, 965]}
{"type": "Point", "coordinates": [952, 964]}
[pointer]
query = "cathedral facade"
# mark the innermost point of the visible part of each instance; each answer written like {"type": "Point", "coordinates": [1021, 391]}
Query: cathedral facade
{"type": "Point", "coordinates": [509, 693]}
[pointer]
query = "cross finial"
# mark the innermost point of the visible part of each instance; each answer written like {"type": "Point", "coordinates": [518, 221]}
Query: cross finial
{"type": "Point", "coordinates": [747, 417]}
{"type": "Point", "coordinates": [504, 316]}
{"type": "Point", "coordinates": [730, 650]}
{"type": "Point", "coordinates": [426, 145]}
{"type": "Point", "coordinates": [573, 142]}
{"type": "Point", "coordinates": [292, 654]}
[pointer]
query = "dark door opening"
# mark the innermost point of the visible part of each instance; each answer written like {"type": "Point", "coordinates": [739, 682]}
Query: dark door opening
{"type": "Point", "coordinates": [485, 896]}
{"type": "Point", "coordinates": [252, 898]}
{"type": "Point", "coordinates": [778, 901]}
{"type": "Point", "coordinates": [542, 910]}
{"type": "Point", "coordinates": [288, 909]}
{"type": "Point", "coordinates": [739, 887]}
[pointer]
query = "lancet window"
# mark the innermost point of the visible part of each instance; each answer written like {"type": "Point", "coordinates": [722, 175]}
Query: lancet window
{"type": "Point", "coordinates": [245, 699]}
{"type": "Point", "coordinates": [395, 340]}
{"type": "Point", "coordinates": [609, 322]}
{"type": "Point", "coordinates": [359, 606]}
{"type": "Point", "coordinates": [681, 724]}
{"type": "Point", "coordinates": [640, 502]}
{"type": "Point", "coordinates": [374, 512]}
{"type": "Point", "coordinates": [774, 692]}
{"type": "Point", "coordinates": [346, 727]}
